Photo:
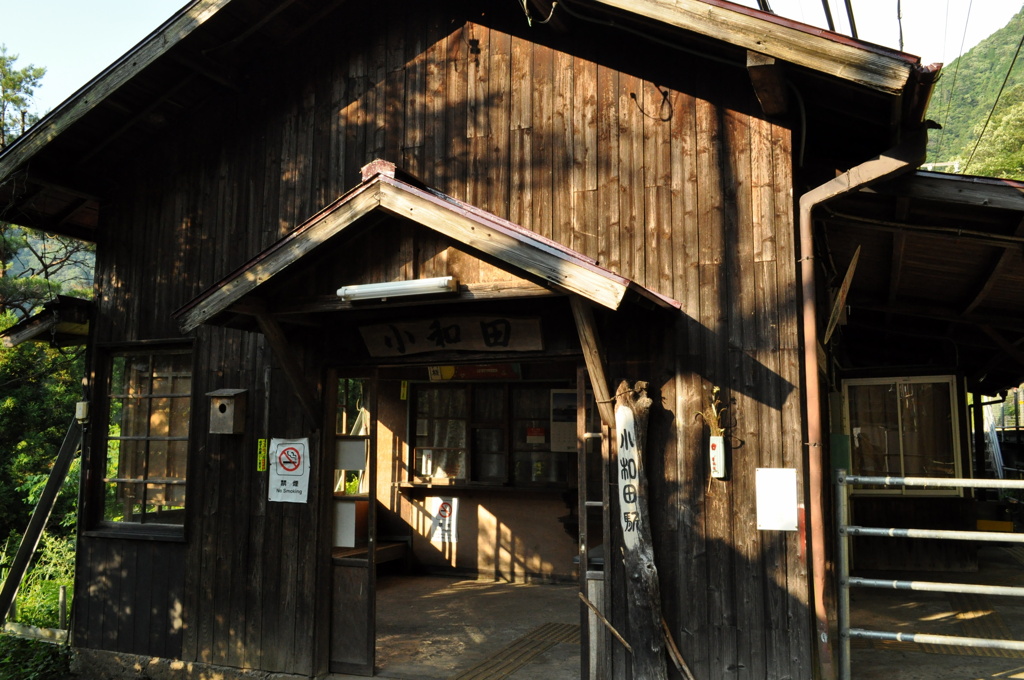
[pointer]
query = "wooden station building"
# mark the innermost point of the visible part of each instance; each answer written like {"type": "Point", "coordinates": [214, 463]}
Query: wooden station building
{"type": "Point", "coordinates": [360, 265]}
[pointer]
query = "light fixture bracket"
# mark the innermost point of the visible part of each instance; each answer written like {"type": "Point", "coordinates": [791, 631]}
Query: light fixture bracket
{"type": "Point", "coordinates": [392, 289]}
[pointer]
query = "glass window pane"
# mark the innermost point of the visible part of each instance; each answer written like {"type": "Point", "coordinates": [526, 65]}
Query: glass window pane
{"type": "Point", "coordinates": [147, 437]}
{"type": "Point", "coordinates": [488, 404]}
{"type": "Point", "coordinates": [926, 416]}
{"type": "Point", "coordinates": [489, 462]}
{"type": "Point", "coordinates": [874, 429]}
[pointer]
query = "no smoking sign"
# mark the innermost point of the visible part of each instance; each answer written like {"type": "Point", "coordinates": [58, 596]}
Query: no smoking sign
{"type": "Point", "coordinates": [290, 460]}
{"type": "Point", "coordinates": [289, 470]}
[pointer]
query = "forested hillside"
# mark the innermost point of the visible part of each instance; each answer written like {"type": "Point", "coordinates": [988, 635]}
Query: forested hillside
{"type": "Point", "coordinates": [963, 101]}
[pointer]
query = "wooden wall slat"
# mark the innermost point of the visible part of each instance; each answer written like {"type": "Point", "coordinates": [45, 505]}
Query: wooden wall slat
{"type": "Point", "coordinates": [499, 111]}
{"type": "Point", "coordinates": [562, 149]}
{"type": "Point", "coordinates": [608, 186]}
{"type": "Point", "coordinates": [631, 165]}
{"type": "Point", "coordinates": [584, 150]}
{"type": "Point", "coordinates": [435, 69]}
{"type": "Point", "coordinates": [412, 146]}
{"type": "Point", "coordinates": [457, 111]}
{"type": "Point", "coordinates": [544, 148]}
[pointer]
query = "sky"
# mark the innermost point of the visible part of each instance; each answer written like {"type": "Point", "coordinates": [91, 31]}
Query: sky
{"type": "Point", "coordinates": [77, 39]}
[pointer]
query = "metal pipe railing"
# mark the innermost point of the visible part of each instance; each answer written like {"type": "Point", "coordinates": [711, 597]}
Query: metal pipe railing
{"type": "Point", "coordinates": [846, 582]}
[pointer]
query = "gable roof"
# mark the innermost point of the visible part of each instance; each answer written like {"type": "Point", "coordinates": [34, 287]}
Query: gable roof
{"type": "Point", "coordinates": [63, 322]}
{"type": "Point", "coordinates": [537, 257]}
{"type": "Point", "coordinates": [939, 283]}
{"type": "Point", "coordinates": [202, 51]}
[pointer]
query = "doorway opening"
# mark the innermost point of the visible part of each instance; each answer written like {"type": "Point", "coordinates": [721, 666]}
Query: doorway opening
{"type": "Point", "coordinates": [456, 543]}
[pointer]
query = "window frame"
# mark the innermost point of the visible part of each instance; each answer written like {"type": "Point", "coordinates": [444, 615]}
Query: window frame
{"type": "Point", "coordinates": [508, 428]}
{"type": "Point", "coordinates": [99, 524]}
{"type": "Point", "coordinates": [956, 440]}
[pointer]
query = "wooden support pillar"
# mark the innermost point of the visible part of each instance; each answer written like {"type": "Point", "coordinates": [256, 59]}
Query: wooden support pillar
{"type": "Point", "coordinates": [292, 371]}
{"type": "Point", "coordinates": [593, 355]}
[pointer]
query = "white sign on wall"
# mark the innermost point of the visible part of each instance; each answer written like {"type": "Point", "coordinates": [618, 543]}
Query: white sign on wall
{"type": "Point", "coordinates": [776, 499]}
{"type": "Point", "coordinates": [444, 528]}
{"type": "Point", "coordinates": [289, 470]}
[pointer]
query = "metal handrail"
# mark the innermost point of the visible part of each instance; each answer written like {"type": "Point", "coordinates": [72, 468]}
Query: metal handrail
{"type": "Point", "coordinates": [844, 481]}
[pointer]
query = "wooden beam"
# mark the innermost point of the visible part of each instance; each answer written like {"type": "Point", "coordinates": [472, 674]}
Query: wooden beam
{"type": "Point", "coordinates": [473, 292]}
{"type": "Point", "coordinates": [593, 356]}
{"type": "Point", "coordinates": [983, 192]}
{"type": "Point", "coordinates": [40, 515]}
{"type": "Point", "coordinates": [89, 97]}
{"type": "Point", "coordinates": [766, 75]}
{"type": "Point", "coordinates": [1006, 260]}
{"type": "Point", "coordinates": [1007, 323]}
{"type": "Point", "coordinates": [135, 117]}
{"type": "Point", "coordinates": [550, 263]}
{"type": "Point", "coordinates": [31, 329]}
{"type": "Point", "coordinates": [875, 67]}
{"type": "Point", "coordinates": [1009, 349]}
{"type": "Point", "coordinates": [282, 255]}
{"type": "Point", "coordinates": [837, 219]}
{"type": "Point", "coordinates": [292, 370]}
{"type": "Point", "coordinates": [524, 251]}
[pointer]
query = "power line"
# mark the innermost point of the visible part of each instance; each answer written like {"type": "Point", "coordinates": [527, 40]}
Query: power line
{"type": "Point", "coordinates": [1013, 62]}
{"type": "Point", "coordinates": [952, 87]}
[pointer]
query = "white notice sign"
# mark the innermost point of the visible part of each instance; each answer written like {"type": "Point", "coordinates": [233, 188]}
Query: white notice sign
{"type": "Point", "coordinates": [289, 470]}
{"type": "Point", "coordinates": [628, 474]}
{"type": "Point", "coordinates": [776, 499]}
{"type": "Point", "coordinates": [444, 528]}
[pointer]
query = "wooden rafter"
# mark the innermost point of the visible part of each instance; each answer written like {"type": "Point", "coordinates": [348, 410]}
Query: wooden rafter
{"type": "Point", "coordinates": [1005, 260]}
{"type": "Point", "coordinates": [942, 314]}
{"type": "Point", "coordinates": [1008, 348]}
{"type": "Point", "coordinates": [769, 82]}
{"type": "Point", "coordinates": [983, 192]}
{"type": "Point", "coordinates": [960, 233]}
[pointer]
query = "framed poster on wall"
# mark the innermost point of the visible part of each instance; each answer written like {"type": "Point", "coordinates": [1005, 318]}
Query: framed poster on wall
{"type": "Point", "coordinates": [563, 419]}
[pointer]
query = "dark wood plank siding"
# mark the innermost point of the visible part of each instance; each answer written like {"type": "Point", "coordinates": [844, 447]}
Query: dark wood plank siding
{"type": "Point", "coordinates": [647, 160]}
{"type": "Point", "coordinates": [130, 596]}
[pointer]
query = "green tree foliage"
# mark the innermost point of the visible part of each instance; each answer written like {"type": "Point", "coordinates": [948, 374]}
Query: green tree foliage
{"type": "Point", "coordinates": [39, 384]}
{"type": "Point", "coordinates": [966, 94]}
{"type": "Point", "coordinates": [32, 659]}
{"type": "Point", "coordinates": [1000, 151]}
{"type": "Point", "coordinates": [17, 86]}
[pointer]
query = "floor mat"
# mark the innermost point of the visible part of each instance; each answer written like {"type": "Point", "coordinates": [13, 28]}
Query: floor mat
{"type": "Point", "coordinates": [516, 655]}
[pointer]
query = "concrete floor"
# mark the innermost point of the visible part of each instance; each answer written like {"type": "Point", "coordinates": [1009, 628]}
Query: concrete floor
{"type": "Point", "coordinates": [438, 628]}
{"type": "Point", "coordinates": [982, 616]}
{"type": "Point", "coordinates": [431, 627]}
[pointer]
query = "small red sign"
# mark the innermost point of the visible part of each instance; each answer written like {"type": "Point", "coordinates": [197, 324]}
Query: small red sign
{"type": "Point", "coordinates": [289, 459]}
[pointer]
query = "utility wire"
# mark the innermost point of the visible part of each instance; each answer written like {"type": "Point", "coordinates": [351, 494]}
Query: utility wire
{"type": "Point", "coordinates": [952, 87]}
{"type": "Point", "coordinates": [899, 21]}
{"type": "Point", "coordinates": [1013, 62]}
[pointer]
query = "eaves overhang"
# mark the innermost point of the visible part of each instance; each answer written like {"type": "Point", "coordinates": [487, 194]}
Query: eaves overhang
{"type": "Point", "coordinates": [524, 252]}
{"type": "Point", "coordinates": [845, 58]}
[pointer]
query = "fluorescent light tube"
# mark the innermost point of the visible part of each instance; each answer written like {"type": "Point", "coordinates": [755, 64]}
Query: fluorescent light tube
{"type": "Point", "coordinates": [390, 289]}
